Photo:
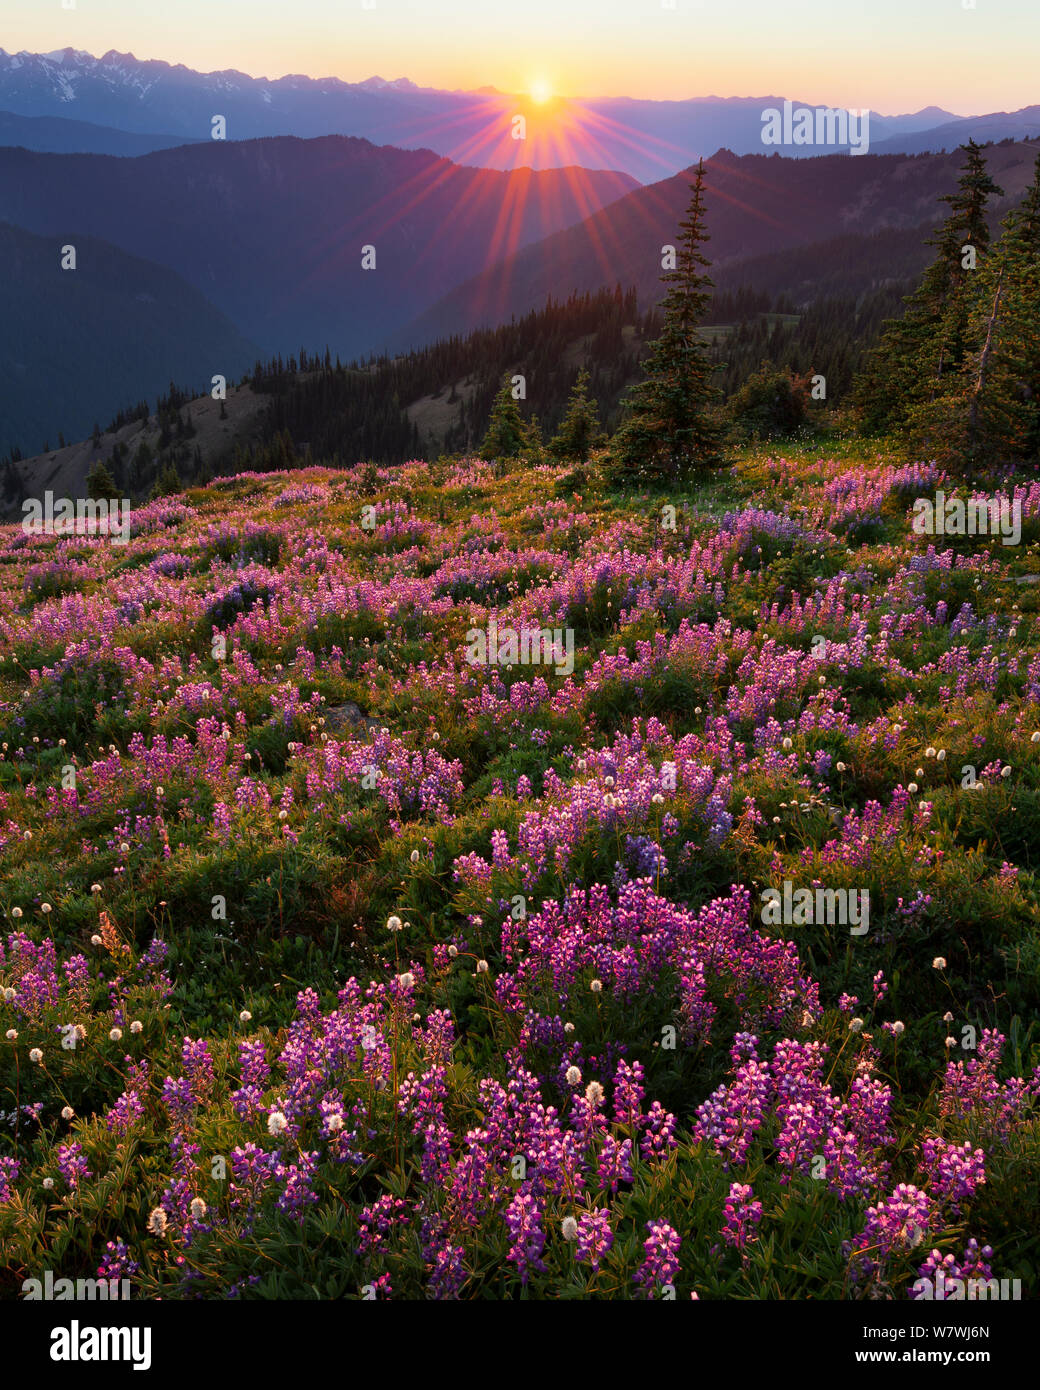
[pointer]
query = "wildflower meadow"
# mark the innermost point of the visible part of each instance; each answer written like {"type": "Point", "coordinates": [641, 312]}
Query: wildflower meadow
{"type": "Point", "coordinates": [347, 957]}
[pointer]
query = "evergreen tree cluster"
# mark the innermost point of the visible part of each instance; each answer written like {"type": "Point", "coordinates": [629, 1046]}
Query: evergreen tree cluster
{"type": "Point", "coordinates": [510, 435]}
{"type": "Point", "coordinates": [831, 335]}
{"type": "Point", "coordinates": [346, 413]}
{"type": "Point", "coordinates": [957, 377]}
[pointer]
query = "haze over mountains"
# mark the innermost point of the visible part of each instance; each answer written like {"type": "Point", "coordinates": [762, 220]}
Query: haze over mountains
{"type": "Point", "coordinates": [647, 139]}
{"type": "Point", "coordinates": [58, 135]}
{"type": "Point", "coordinates": [1000, 125]}
{"type": "Point", "coordinates": [274, 231]}
{"type": "Point", "coordinates": [76, 347]}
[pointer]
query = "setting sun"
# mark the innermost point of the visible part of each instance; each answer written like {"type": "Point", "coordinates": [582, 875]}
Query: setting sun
{"type": "Point", "coordinates": [541, 92]}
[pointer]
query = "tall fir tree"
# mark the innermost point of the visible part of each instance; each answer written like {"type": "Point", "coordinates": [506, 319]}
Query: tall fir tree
{"type": "Point", "coordinates": [968, 214]}
{"type": "Point", "coordinates": [1003, 370]}
{"type": "Point", "coordinates": [918, 353]}
{"type": "Point", "coordinates": [983, 412]}
{"type": "Point", "coordinates": [670, 430]}
{"type": "Point", "coordinates": [168, 483]}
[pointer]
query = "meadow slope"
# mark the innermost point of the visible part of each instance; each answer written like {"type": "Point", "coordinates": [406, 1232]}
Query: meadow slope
{"type": "Point", "coordinates": [335, 964]}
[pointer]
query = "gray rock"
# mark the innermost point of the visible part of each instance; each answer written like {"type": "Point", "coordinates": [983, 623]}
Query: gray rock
{"type": "Point", "coordinates": [351, 718]}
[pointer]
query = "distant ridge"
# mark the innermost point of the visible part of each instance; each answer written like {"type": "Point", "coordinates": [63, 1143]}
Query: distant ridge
{"type": "Point", "coordinates": [58, 135]}
{"type": "Point", "coordinates": [646, 139]}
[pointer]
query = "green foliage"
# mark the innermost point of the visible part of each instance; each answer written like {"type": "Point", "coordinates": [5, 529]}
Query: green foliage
{"type": "Point", "coordinates": [951, 872]}
{"type": "Point", "coordinates": [168, 483]}
{"type": "Point", "coordinates": [772, 403]}
{"type": "Point", "coordinates": [917, 351]}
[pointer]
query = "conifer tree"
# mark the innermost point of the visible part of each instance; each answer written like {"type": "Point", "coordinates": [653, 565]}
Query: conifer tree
{"type": "Point", "coordinates": [913, 362]}
{"type": "Point", "coordinates": [1003, 370]}
{"type": "Point", "coordinates": [168, 483]}
{"type": "Point", "coordinates": [101, 486]}
{"type": "Point", "coordinates": [576, 437]}
{"type": "Point", "coordinates": [983, 410]}
{"type": "Point", "coordinates": [507, 435]}
{"type": "Point", "coordinates": [12, 478]}
{"type": "Point", "coordinates": [670, 431]}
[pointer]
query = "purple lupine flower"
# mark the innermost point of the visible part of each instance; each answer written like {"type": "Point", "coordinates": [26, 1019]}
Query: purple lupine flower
{"type": "Point", "coordinates": [129, 1108]}
{"type": "Point", "coordinates": [895, 1225]}
{"type": "Point", "coordinates": [447, 1271]}
{"type": "Point", "coordinates": [940, 1271]}
{"type": "Point", "coordinates": [615, 1163]}
{"type": "Point", "coordinates": [658, 1138]}
{"type": "Point", "coordinates": [298, 1191]}
{"type": "Point", "coordinates": [742, 1215]}
{"type": "Point", "coordinates": [72, 1164]}
{"type": "Point", "coordinates": [954, 1171]}
{"type": "Point", "coordinates": [117, 1262]}
{"type": "Point", "coordinates": [198, 1069]}
{"type": "Point", "coordinates": [251, 1170]}
{"type": "Point", "coordinates": [661, 1262]}
{"type": "Point", "coordinates": [9, 1169]}
{"type": "Point", "coordinates": [628, 1093]}
{"type": "Point", "coordinates": [247, 1102]}
{"type": "Point", "coordinates": [377, 1221]}
{"type": "Point", "coordinates": [594, 1237]}
{"type": "Point", "coordinates": [252, 1060]}
{"type": "Point", "coordinates": [732, 1115]}
{"type": "Point", "coordinates": [125, 1112]}
{"type": "Point", "coordinates": [178, 1098]}
{"type": "Point", "coordinates": [523, 1217]}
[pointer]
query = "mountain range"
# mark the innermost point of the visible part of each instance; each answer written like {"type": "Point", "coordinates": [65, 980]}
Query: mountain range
{"type": "Point", "coordinates": [59, 135]}
{"type": "Point", "coordinates": [644, 138]}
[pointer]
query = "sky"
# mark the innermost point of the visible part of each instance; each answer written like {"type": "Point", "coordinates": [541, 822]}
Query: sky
{"type": "Point", "coordinates": [892, 56]}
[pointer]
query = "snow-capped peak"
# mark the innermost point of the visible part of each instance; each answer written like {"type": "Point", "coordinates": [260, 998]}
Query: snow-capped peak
{"type": "Point", "coordinates": [61, 55]}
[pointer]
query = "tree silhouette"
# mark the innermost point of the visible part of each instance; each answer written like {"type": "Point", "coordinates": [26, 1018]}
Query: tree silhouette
{"type": "Point", "coordinates": [507, 434]}
{"type": "Point", "coordinates": [580, 427]}
{"type": "Point", "coordinates": [101, 485]}
{"type": "Point", "coordinates": [671, 431]}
